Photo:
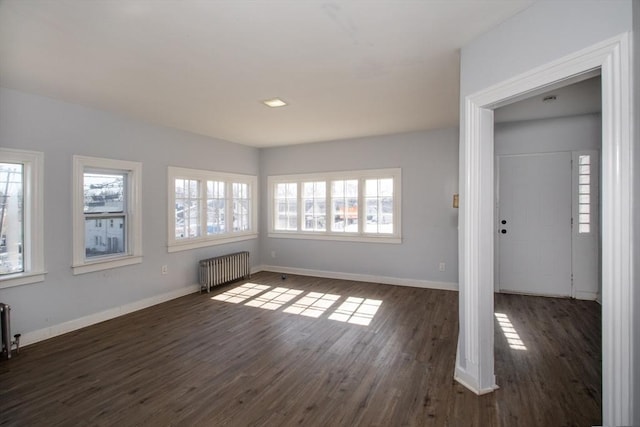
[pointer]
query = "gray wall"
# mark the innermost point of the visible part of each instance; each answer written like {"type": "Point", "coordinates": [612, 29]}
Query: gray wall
{"type": "Point", "coordinates": [61, 130]}
{"type": "Point", "coordinates": [546, 31]}
{"type": "Point", "coordinates": [429, 162]}
{"type": "Point", "coordinates": [549, 135]}
{"type": "Point", "coordinates": [636, 206]}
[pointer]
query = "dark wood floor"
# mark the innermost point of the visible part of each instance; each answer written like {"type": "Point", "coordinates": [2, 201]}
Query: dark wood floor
{"type": "Point", "coordinates": [201, 361]}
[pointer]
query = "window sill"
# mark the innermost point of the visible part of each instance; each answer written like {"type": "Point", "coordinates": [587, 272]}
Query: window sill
{"type": "Point", "coordinates": [187, 245]}
{"type": "Point", "coordinates": [105, 264]}
{"type": "Point", "coordinates": [18, 279]}
{"type": "Point", "coordinates": [336, 237]}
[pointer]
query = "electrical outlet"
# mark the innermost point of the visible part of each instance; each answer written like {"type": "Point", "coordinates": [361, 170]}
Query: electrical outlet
{"type": "Point", "coordinates": [273, 254]}
{"type": "Point", "coordinates": [442, 266]}
{"type": "Point", "coordinates": [164, 269]}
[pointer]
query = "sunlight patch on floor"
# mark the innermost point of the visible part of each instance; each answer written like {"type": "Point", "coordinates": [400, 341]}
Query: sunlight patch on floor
{"type": "Point", "coordinates": [510, 332]}
{"type": "Point", "coordinates": [240, 293]}
{"type": "Point", "coordinates": [312, 304]}
{"type": "Point", "coordinates": [354, 310]}
{"type": "Point", "coordinates": [359, 311]}
{"type": "Point", "coordinates": [274, 299]}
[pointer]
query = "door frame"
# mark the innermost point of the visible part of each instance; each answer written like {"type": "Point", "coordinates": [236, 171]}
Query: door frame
{"type": "Point", "coordinates": [477, 212]}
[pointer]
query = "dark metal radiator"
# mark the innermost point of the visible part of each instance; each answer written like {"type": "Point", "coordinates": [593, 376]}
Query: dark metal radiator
{"type": "Point", "coordinates": [223, 269]}
{"type": "Point", "coordinates": [5, 335]}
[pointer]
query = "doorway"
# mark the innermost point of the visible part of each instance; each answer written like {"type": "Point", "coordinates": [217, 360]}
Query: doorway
{"type": "Point", "coordinates": [547, 187]}
{"type": "Point", "coordinates": [474, 365]}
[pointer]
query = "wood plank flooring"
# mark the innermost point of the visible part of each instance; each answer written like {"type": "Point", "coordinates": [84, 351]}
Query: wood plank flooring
{"type": "Point", "coordinates": [198, 361]}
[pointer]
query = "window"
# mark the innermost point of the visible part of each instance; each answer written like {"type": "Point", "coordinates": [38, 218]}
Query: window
{"type": "Point", "coordinates": [209, 208]}
{"type": "Point", "coordinates": [355, 206]}
{"type": "Point", "coordinates": [21, 217]}
{"type": "Point", "coordinates": [106, 214]}
{"type": "Point", "coordinates": [584, 193]}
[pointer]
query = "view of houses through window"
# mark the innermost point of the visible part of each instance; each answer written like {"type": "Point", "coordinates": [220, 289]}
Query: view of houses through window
{"type": "Point", "coordinates": [11, 218]}
{"type": "Point", "coordinates": [190, 204]}
{"type": "Point", "coordinates": [107, 214]}
{"type": "Point", "coordinates": [209, 207]}
{"type": "Point", "coordinates": [348, 204]}
{"type": "Point", "coordinates": [104, 213]}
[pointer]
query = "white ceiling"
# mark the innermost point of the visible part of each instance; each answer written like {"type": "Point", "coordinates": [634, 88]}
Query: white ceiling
{"type": "Point", "coordinates": [347, 69]}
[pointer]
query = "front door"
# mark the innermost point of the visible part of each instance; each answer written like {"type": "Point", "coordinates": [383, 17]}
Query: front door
{"type": "Point", "coordinates": [534, 224]}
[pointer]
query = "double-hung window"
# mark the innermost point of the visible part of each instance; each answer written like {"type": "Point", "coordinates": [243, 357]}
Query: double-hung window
{"type": "Point", "coordinates": [107, 214]}
{"type": "Point", "coordinates": [209, 208]}
{"type": "Point", "coordinates": [21, 217]}
{"type": "Point", "coordinates": [354, 205]}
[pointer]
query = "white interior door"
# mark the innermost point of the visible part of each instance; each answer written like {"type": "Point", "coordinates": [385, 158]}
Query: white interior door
{"type": "Point", "coordinates": [534, 224]}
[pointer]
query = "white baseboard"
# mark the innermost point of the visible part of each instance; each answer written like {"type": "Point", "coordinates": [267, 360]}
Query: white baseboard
{"type": "Point", "coordinates": [72, 325]}
{"type": "Point", "coordinates": [587, 295]}
{"type": "Point", "coordinates": [447, 286]}
{"type": "Point", "coordinates": [470, 382]}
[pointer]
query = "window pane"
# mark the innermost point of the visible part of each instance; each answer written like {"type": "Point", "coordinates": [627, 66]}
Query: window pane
{"type": "Point", "coordinates": [286, 206]}
{"type": "Point", "coordinates": [344, 205]}
{"type": "Point", "coordinates": [584, 169]}
{"type": "Point", "coordinates": [585, 208]}
{"type": "Point", "coordinates": [104, 192]}
{"type": "Point", "coordinates": [187, 211]}
{"type": "Point", "coordinates": [11, 218]}
{"type": "Point", "coordinates": [379, 206]}
{"type": "Point", "coordinates": [241, 215]}
{"type": "Point", "coordinates": [215, 207]}
{"type": "Point", "coordinates": [314, 203]}
{"type": "Point", "coordinates": [104, 236]}
{"type": "Point", "coordinates": [584, 159]}
{"type": "Point", "coordinates": [241, 207]}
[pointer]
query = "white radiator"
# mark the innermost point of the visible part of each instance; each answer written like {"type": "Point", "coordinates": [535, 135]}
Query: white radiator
{"type": "Point", "coordinates": [223, 269]}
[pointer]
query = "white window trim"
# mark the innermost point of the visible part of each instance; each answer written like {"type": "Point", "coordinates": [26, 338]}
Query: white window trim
{"type": "Point", "coordinates": [360, 236]}
{"type": "Point", "coordinates": [134, 215]}
{"type": "Point", "coordinates": [175, 245]}
{"type": "Point", "coordinates": [33, 206]}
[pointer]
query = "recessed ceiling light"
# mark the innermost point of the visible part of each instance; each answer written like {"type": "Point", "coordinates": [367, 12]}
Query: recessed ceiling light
{"type": "Point", "coordinates": [275, 102]}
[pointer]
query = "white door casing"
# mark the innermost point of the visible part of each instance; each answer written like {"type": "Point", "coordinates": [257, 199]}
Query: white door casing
{"type": "Point", "coordinates": [475, 358]}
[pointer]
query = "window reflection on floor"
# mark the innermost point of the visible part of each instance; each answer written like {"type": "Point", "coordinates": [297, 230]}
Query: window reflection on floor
{"type": "Point", "coordinates": [274, 299]}
{"type": "Point", "coordinates": [354, 310]}
{"type": "Point", "coordinates": [510, 332]}
{"type": "Point", "coordinates": [241, 293]}
{"type": "Point", "coordinates": [312, 304]}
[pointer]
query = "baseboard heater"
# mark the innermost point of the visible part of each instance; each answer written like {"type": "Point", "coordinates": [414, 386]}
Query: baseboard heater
{"type": "Point", "coordinates": [223, 269]}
